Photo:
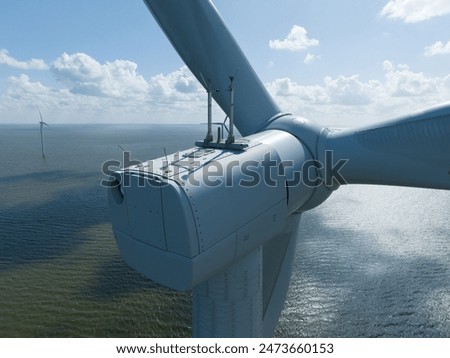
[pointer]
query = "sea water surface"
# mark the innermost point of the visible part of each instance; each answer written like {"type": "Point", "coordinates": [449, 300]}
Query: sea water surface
{"type": "Point", "coordinates": [370, 262]}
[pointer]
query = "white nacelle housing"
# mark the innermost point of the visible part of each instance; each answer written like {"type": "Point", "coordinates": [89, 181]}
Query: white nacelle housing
{"type": "Point", "coordinates": [181, 219]}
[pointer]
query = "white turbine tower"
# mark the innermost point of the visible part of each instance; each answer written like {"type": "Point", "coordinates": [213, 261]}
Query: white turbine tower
{"type": "Point", "coordinates": [42, 124]}
{"type": "Point", "coordinates": [222, 218]}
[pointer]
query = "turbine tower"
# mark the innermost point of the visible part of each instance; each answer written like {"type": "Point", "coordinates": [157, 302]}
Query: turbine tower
{"type": "Point", "coordinates": [41, 123]}
{"type": "Point", "coordinates": [222, 218]}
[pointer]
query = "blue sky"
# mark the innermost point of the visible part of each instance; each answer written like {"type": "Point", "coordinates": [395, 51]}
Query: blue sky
{"type": "Point", "coordinates": [340, 62]}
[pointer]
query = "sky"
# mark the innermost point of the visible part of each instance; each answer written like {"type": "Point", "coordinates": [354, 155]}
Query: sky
{"type": "Point", "coordinates": [337, 62]}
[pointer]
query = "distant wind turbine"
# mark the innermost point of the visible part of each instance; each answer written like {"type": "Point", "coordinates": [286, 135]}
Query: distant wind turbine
{"type": "Point", "coordinates": [42, 123]}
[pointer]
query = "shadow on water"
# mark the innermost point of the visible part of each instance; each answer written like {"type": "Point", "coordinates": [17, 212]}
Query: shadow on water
{"type": "Point", "coordinates": [44, 227]}
{"type": "Point", "coordinates": [157, 311]}
{"type": "Point", "coordinates": [38, 177]}
{"type": "Point", "coordinates": [115, 278]}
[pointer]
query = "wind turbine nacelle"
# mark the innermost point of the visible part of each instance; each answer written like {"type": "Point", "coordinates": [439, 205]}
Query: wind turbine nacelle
{"type": "Point", "coordinates": [181, 219]}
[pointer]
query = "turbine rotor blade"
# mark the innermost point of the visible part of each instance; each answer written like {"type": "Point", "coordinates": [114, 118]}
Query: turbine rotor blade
{"type": "Point", "coordinates": [40, 114]}
{"type": "Point", "coordinates": [203, 41]}
{"type": "Point", "coordinates": [411, 151]}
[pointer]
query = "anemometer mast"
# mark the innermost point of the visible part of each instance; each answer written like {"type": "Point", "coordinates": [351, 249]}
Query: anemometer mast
{"type": "Point", "coordinates": [230, 143]}
{"type": "Point", "coordinates": [230, 138]}
{"type": "Point", "coordinates": [209, 136]}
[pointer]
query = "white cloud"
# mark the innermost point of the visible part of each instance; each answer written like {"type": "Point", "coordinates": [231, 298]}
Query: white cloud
{"type": "Point", "coordinates": [85, 75]}
{"type": "Point", "coordinates": [412, 11]}
{"type": "Point", "coordinates": [111, 92]}
{"type": "Point", "coordinates": [22, 92]}
{"type": "Point", "coordinates": [288, 93]}
{"type": "Point", "coordinates": [33, 64]}
{"type": "Point", "coordinates": [348, 91]}
{"type": "Point", "coordinates": [309, 58]}
{"type": "Point", "coordinates": [177, 83]}
{"type": "Point", "coordinates": [296, 40]}
{"type": "Point", "coordinates": [388, 66]}
{"type": "Point", "coordinates": [438, 48]}
{"type": "Point", "coordinates": [23, 84]}
{"type": "Point", "coordinates": [402, 82]}
{"type": "Point", "coordinates": [349, 100]}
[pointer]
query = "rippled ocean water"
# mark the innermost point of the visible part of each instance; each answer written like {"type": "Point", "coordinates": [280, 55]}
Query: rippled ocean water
{"type": "Point", "coordinates": [371, 262]}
